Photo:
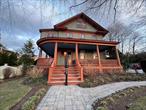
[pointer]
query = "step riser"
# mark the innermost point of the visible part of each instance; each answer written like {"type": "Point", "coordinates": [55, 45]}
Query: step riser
{"type": "Point", "coordinates": [63, 83]}
{"type": "Point", "coordinates": [63, 75]}
{"type": "Point", "coordinates": [63, 78]}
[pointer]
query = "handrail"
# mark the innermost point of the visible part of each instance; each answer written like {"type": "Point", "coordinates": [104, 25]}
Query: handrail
{"type": "Point", "coordinates": [50, 71]}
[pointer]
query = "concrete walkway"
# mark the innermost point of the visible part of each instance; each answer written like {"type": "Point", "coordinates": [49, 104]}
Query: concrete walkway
{"type": "Point", "coordinates": [77, 98]}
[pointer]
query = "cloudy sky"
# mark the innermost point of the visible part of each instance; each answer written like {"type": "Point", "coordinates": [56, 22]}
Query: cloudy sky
{"type": "Point", "coordinates": [21, 20]}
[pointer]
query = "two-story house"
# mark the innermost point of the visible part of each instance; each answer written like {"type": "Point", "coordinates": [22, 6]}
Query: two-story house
{"type": "Point", "coordinates": [79, 40]}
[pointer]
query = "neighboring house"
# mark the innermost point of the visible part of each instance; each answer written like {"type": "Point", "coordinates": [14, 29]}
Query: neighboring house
{"type": "Point", "coordinates": [79, 41]}
{"type": "Point", "coordinates": [4, 50]}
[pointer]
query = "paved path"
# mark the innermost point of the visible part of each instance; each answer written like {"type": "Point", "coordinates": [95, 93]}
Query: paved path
{"type": "Point", "coordinates": [77, 98]}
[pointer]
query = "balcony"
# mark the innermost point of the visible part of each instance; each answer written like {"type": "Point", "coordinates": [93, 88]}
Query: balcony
{"type": "Point", "coordinates": [71, 35]}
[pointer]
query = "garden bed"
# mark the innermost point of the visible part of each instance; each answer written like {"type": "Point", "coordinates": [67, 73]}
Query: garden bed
{"type": "Point", "coordinates": [128, 99]}
{"type": "Point", "coordinates": [100, 79]}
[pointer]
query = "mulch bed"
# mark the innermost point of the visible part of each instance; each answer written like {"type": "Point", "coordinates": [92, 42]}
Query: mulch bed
{"type": "Point", "coordinates": [125, 99]}
{"type": "Point", "coordinates": [94, 80]}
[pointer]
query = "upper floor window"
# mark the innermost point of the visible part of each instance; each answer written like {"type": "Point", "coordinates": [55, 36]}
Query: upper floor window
{"type": "Point", "coordinates": [82, 36]}
{"type": "Point", "coordinates": [80, 24]}
{"type": "Point", "coordinates": [49, 34]}
{"type": "Point", "coordinates": [69, 35]}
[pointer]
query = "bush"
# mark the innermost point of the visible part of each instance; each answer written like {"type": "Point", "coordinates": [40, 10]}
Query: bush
{"type": "Point", "coordinates": [4, 58]}
{"type": "Point", "coordinates": [10, 59]}
{"type": "Point", "coordinates": [35, 72]}
{"type": "Point", "coordinates": [36, 76]}
{"type": "Point", "coordinates": [143, 65]}
{"type": "Point", "coordinates": [7, 72]}
{"type": "Point", "coordinates": [30, 104]}
{"type": "Point", "coordinates": [26, 60]}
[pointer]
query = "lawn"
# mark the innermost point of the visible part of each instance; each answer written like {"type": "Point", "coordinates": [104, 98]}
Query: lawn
{"type": "Point", "coordinates": [11, 92]}
{"type": "Point", "coordinates": [139, 104]}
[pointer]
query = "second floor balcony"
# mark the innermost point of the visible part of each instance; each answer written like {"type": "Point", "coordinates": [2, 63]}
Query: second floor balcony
{"type": "Point", "coordinates": [71, 35]}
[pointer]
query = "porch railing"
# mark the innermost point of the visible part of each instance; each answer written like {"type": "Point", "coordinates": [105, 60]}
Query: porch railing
{"type": "Point", "coordinates": [95, 62]}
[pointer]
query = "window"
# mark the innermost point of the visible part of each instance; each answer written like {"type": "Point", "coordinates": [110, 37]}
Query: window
{"type": "Point", "coordinates": [107, 55]}
{"type": "Point", "coordinates": [94, 55]}
{"type": "Point", "coordinates": [82, 36]}
{"type": "Point", "coordinates": [82, 55]}
{"type": "Point", "coordinates": [69, 35]}
{"type": "Point", "coordinates": [80, 24]}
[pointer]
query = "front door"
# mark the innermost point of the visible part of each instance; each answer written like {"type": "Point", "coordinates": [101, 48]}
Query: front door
{"type": "Point", "coordinates": [69, 59]}
{"type": "Point", "coordinates": [61, 58]}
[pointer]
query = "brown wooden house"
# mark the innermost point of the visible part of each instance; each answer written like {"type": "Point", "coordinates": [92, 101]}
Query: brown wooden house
{"type": "Point", "coordinates": [80, 40]}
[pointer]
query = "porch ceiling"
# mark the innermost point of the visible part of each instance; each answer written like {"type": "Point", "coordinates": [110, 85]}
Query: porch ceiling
{"type": "Point", "coordinates": [87, 47]}
{"type": "Point", "coordinates": [66, 46]}
{"type": "Point", "coordinates": [48, 48]}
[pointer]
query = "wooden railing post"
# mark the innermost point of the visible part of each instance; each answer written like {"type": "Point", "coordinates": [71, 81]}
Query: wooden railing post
{"type": "Point", "coordinates": [77, 56]}
{"type": "Point", "coordinates": [53, 64]}
{"type": "Point", "coordinates": [118, 58]}
{"type": "Point", "coordinates": [99, 60]}
{"type": "Point", "coordinates": [78, 63]}
{"type": "Point", "coordinates": [55, 53]}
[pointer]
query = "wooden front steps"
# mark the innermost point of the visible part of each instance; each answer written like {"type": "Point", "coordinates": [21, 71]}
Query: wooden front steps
{"type": "Point", "coordinates": [58, 76]}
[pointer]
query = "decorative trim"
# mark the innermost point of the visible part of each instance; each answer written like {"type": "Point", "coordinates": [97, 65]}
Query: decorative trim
{"type": "Point", "coordinates": [81, 41]}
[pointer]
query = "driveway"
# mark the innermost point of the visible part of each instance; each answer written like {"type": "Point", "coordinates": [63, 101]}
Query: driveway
{"type": "Point", "coordinates": [77, 98]}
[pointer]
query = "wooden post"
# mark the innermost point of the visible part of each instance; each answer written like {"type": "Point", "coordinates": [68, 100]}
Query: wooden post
{"type": "Point", "coordinates": [40, 53]}
{"type": "Point", "coordinates": [55, 54]}
{"type": "Point", "coordinates": [78, 63]}
{"type": "Point", "coordinates": [77, 55]}
{"type": "Point", "coordinates": [118, 58]}
{"type": "Point", "coordinates": [53, 64]}
{"type": "Point", "coordinates": [99, 60]}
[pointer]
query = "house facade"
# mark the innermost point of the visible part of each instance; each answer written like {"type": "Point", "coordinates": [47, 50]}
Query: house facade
{"type": "Point", "coordinates": [77, 42]}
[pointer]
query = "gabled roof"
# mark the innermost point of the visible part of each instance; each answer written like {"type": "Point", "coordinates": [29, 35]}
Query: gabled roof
{"type": "Point", "coordinates": [85, 18]}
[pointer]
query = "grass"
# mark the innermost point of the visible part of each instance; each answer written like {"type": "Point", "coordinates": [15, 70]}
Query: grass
{"type": "Point", "coordinates": [11, 92]}
{"type": "Point", "coordinates": [139, 104]}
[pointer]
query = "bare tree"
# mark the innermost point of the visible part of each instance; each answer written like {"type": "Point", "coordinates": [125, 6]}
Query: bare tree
{"type": "Point", "coordinates": [119, 32]}
{"type": "Point", "coordinates": [109, 5]}
{"type": "Point", "coordinates": [128, 37]}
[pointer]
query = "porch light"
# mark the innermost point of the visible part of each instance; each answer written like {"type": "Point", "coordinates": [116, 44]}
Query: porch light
{"type": "Point", "coordinates": [107, 54]}
{"type": "Point", "coordinates": [65, 53]}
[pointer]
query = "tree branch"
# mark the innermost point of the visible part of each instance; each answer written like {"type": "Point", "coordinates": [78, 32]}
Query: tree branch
{"type": "Point", "coordinates": [78, 4]}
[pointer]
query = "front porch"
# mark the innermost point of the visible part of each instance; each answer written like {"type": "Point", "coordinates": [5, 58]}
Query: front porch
{"type": "Point", "coordinates": [83, 59]}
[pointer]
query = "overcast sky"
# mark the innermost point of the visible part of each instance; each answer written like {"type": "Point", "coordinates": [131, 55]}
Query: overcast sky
{"type": "Point", "coordinates": [21, 20]}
